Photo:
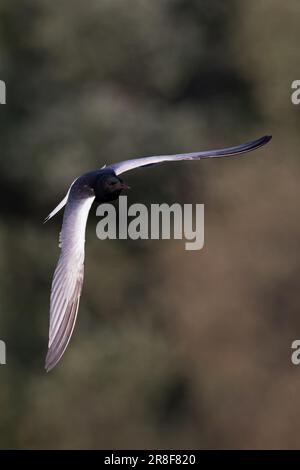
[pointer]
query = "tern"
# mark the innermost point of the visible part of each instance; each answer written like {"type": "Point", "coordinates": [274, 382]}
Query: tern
{"type": "Point", "coordinates": [102, 185]}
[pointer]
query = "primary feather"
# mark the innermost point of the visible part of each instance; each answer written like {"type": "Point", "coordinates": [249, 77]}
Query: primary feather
{"type": "Point", "coordinates": [68, 278]}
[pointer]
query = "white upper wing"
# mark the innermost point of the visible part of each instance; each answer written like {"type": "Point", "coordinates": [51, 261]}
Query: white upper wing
{"type": "Point", "coordinates": [127, 165]}
{"type": "Point", "coordinates": [68, 278]}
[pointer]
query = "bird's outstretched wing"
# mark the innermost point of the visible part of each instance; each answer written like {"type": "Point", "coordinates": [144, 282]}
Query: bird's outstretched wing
{"type": "Point", "coordinates": [68, 278]}
{"type": "Point", "coordinates": [127, 165]}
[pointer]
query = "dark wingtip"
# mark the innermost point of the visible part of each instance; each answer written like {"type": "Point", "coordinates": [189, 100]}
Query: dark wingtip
{"type": "Point", "coordinates": [260, 142]}
{"type": "Point", "coordinates": [266, 138]}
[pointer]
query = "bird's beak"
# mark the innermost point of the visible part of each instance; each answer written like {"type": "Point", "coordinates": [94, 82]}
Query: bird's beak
{"type": "Point", "coordinates": [123, 186]}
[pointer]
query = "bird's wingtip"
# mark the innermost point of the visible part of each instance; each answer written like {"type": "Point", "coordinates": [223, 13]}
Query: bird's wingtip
{"type": "Point", "coordinates": [48, 366]}
{"type": "Point", "coordinates": [49, 362]}
{"type": "Point", "coordinates": [262, 141]}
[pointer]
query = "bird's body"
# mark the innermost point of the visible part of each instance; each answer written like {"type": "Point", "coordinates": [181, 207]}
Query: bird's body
{"type": "Point", "coordinates": [103, 185]}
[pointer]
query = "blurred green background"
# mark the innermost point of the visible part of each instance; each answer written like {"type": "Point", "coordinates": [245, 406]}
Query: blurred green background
{"type": "Point", "coordinates": [172, 349]}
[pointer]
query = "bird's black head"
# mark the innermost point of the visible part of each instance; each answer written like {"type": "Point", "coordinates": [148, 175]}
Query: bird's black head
{"type": "Point", "coordinates": [108, 187]}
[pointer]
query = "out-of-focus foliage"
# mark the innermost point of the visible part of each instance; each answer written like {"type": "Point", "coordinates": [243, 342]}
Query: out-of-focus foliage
{"type": "Point", "coordinates": [172, 348]}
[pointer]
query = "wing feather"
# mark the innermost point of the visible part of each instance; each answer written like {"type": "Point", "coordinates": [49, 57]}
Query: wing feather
{"type": "Point", "coordinates": [68, 278]}
{"type": "Point", "coordinates": [127, 165]}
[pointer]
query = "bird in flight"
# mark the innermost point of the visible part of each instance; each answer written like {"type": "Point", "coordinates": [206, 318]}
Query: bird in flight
{"type": "Point", "coordinates": [102, 185]}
